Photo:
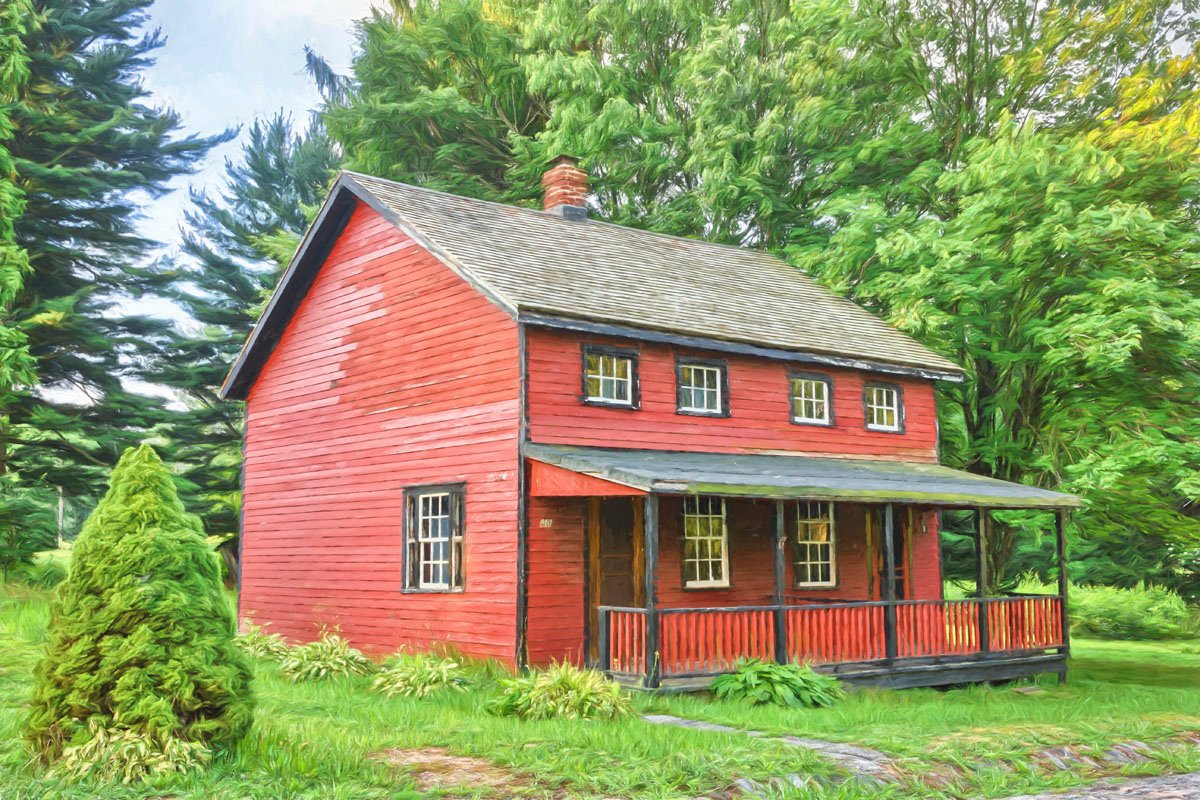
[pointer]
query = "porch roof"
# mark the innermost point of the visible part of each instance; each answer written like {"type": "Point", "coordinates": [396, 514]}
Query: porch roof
{"type": "Point", "coordinates": [796, 477]}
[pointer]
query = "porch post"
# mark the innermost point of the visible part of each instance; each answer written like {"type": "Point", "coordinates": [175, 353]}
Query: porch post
{"type": "Point", "coordinates": [889, 581]}
{"type": "Point", "coordinates": [1060, 537]}
{"type": "Point", "coordinates": [779, 541]}
{"type": "Point", "coordinates": [650, 549]}
{"type": "Point", "coordinates": [982, 577]}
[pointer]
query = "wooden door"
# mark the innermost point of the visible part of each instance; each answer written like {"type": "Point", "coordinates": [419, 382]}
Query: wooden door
{"type": "Point", "coordinates": [614, 559]}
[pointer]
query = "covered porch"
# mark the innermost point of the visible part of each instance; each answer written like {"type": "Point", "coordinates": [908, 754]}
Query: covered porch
{"type": "Point", "coordinates": [832, 562]}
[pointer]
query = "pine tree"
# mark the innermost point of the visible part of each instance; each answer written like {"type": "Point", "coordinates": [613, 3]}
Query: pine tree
{"type": "Point", "coordinates": [221, 281]}
{"type": "Point", "coordinates": [141, 635]}
{"type": "Point", "coordinates": [89, 154]}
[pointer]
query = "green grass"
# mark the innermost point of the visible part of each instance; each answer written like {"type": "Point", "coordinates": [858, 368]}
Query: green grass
{"type": "Point", "coordinates": [315, 740]}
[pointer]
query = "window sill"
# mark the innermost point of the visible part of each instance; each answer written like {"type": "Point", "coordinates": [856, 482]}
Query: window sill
{"type": "Point", "coordinates": [816, 423]}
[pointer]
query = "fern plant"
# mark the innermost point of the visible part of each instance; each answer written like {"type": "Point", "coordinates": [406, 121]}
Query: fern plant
{"type": "Point", "coordinates": [419, 675]}
{"type": "Point", "coordinates": [561, 692]}
{"type": "Point", "coordinates": [330, 656]}
{"type": "Point", "coordinates": [766, 683]}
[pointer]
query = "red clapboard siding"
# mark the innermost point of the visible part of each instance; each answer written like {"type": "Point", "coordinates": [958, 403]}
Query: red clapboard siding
{"type": "Point", "coordinates": [759, 417]}
{"type": "Point", "coordinates": [556, 612]}
{"type": "Point", "coordinates": [393, 372]}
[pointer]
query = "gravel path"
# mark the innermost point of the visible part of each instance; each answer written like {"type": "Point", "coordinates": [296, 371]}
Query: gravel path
{"type": "Point", "coordinates": [1167, 787]}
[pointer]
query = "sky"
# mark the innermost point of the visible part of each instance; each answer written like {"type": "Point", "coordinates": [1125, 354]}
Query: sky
{"type": "Point", "coordinates": [227, 62]}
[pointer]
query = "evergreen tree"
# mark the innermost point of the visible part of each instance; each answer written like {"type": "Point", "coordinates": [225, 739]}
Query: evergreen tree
{"type": "Point", "coordinates": [221, 281]}
{"type": "Point", "coordinates": [141, 635]}
{"type": "Point", "coordinates": [89, 155]}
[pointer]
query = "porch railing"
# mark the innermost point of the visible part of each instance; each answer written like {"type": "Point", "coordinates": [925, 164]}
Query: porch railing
{"type": "Point", "coordinates": [708, 641]}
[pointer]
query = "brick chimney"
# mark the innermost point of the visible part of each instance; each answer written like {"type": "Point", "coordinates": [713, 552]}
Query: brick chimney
{"type": "Point", "coordinates": [565, 188]}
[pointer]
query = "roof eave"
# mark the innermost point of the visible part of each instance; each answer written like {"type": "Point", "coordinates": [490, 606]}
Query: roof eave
{"type": "Point", "coordinates": [538, 318]}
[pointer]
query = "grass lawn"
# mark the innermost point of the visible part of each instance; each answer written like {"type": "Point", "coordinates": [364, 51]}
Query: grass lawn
{"type": "Point", "coordinates": [317, 740]}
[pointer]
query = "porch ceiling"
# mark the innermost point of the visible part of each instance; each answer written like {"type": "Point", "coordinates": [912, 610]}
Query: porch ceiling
{"type": "Point", "coordinates": [795, 477]}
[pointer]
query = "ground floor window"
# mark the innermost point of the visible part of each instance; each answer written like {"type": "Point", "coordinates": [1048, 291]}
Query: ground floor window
{"type": "Point", "coordinates": [705, 543]}
{"type": "Point", "coordinates": [816, 545]}
{"type": "Point", "coordinates": [433, 531]}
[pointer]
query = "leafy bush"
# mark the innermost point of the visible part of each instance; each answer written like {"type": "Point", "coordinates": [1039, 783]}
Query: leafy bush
{"type": "Point", "coordinates": [328, 657]}
{"type": "Point", "coordinates": [41, 574]}
{"type": "Point", "coordinates": [258, 643]}
{"type": "Point", "coordinates": [766, 683]}
{"type": "Point", "coordinates": [419, 675]}
{"type": "Point", "coordinates": [1108, 612]}
{"type": "Point", "coordinates": [141, 636]}
{"type": "Point", "coordinates": [563, 691]}
{"type": "Point", "coordinates": [118, 754]}
{"type": "Point", "coordinates": [1145, 612]}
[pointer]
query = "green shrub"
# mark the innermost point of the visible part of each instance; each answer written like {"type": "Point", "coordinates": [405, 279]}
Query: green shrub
{"type": "Point", "coordinates": [141, 636]}
{"type": "Point", "coordinates": [1144, 612]}
{"type": "Point", "coordinates": [766, 683]}
{"type": "Point", "coordinates": [256, 642]}
{"type": "Point", "coordinates": [563, 691]}
{"type": "Point", "coordinates": [420, 674]}
{"type": "Point", "coordinates": [43, 573]}
{"type": "Point", "coordinates": [328, 657]}
{"type": "Point", "coordinates": [113, 754]}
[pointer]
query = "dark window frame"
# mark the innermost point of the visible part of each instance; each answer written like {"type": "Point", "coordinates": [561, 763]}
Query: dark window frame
{"type": "Point", "coordinates": [635, 392]}
{"type": "Point", "coordinates": [794, 375]}
{"type": "Point", "coordinates": [410, 551]}
{"type": "Point", "coordinates": [712, 363]}
{"type": "Point", "coordinates": [900, 421]}
{"type": "Point", "coordinates": [835, 572]}
{"type": "Point", "coordinates": [728, 560]}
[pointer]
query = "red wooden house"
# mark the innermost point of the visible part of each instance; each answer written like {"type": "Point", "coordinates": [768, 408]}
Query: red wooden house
{"type": "Point", "coordinates": [537, 436]}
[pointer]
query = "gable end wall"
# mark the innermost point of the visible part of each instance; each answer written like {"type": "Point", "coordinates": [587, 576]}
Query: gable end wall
{"type": "Point", "coordinates": [393, 372]}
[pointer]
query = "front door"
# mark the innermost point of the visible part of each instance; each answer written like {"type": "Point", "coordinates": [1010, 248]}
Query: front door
{"type": "Point", "coordinates": [615, 559]}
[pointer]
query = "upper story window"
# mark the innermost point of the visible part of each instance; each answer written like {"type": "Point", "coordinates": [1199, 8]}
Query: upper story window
{"type": "Point", "coordinates": [816, 545]}
{"type": "Point", "coordinates": [812, 399]}
{"type": "Point", "coordinates": [610, 376]}
{"type": "Point", "coordinates": [883, 405]}
{"type": "Point", "coordinates": [705, 543]}
{"type": "Point", "coordinates": [702, 387]}
{"type": "Point", "coordinates": [433, 538]}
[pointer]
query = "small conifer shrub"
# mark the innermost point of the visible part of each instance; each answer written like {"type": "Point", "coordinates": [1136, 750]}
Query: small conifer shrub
{"type": "Point", "coordinates": [140, 647]}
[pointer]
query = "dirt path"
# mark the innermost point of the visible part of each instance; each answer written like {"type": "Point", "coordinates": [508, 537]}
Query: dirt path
{"type": "Point", "coordinates": [1166, 787]}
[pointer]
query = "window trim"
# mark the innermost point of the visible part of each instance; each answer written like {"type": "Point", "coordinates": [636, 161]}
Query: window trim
{"type": "Point", "coordinates": [458, 519]}
{"type": "Point", "coordinates": [800, 375]}
{"type": "Point", "coordinates": [704, 586]}
{"type": "Point", "coordinates": [899, 390]}
{"type": "Point", "coordinates": [635, 395]}
{"type": "Point", "coordinates": [722, 386]}
{"type": "Point", "coordinates": [834, 562]}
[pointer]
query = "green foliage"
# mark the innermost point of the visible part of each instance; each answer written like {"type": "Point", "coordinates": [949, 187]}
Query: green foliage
{"type": "Point", "coordinates": [115, 754]}
{"type": "Point", "coordinates": [561, 692]}
{"type": "Point", "coordinates": [232, 257]}
{"type": "Point", "coordinates": [255, 641]}
{"type": "Point", "coordinates": [141, 636]}
{"type": "Point", "coordinates": [767, 683]}
{"type": "Point", "coordinates": [39, 573]}
{"type": "Point", "coordinates": [419, 675]}
{"type": "Point", "coordinates": [1144, 612]}
{"type": "Point", "coordinates": [330, 656]}
{"type": "Point", "coordinates": [92, 151]}
{"type": "Point", "coordinates": [1013, 183]}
